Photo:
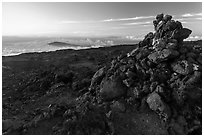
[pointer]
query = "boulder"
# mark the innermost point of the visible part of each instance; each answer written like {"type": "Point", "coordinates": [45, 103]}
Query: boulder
{"type": "Point", "coordinates": [112, 88]}
{"type": "Point", "coordinates": [133, 52]}
{"type": "Point", "coordinates": [9, 125]}
{"type": "Point", "coordinates": [130, 74]}
{"type": "Point", "coordinates": [142, 54]}
{"type": "Point", "coordinates": [144, 64]}
{"type": "Point", "coordinates": [181, 34]}
{"type": "Point", "coordinates": [192, 55]}
{"type": "Point", "coordinates": [167, 18]}
{"type": "Point", "coordinates": [163, 93]}
{"type": "Point", "coordinates": [170, 25]}
{"type": "Point", "coordinates": [97, 77]}
{"type": "Point", "coordinates": [6, 124]}
{"type": "Point", "coordinates": [194, 78]}
{"type": "Point", "coordinates": [199, 59]}
{"type": "Point", "coordinates": [156, 104]}
{"type": "Point", "coordinates": [149, 38]}
{"type": "Point", "coordinates": [159, 17]}
{"type": "Point", "coordinates": [137, 92]}
{"type": "Point", "coordinates": [172, 44]}
{"type": "Point", "coordinates": [118, 106]}
{"type": "Point", "coordinates": [179, 94]}
{"type": "Point", "coordinates": [155, 22]}
{"type": "Point", "coordinates": [176, 128]}
{"type": "Point", "coordinates": [160, 44]}
{"type": "Point", "coordinates": [160, 25]}
{"type": "Point", "coordinates": [179, 25]}
{"type": "Point", "coordinates": [194, 94]}
{"type": "Point", "coordinates": [153, 86]}
{"type": "Point", "coordinates": [128, 82]}
{"type": "Point", "coordinates": [182, 67]}
{"type": "Point", "coordinates": [163, 55]}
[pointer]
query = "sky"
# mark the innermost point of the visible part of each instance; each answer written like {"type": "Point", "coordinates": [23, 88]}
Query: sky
{"type": "Point", "coordinates": [94, 19]}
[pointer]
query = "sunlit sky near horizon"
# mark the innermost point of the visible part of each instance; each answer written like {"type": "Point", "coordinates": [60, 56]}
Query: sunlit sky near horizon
{"type": "Point", "coordinates": [94, 19]}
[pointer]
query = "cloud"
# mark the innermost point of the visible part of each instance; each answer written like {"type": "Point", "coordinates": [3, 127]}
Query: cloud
{"type": "Point", "coordinates": [138, 23]}
{"type": "Point", "coordinates": [147, 25]}
{"type": "Point", "coordinates": [179, 19]}
{"type": "Point", "coordinates": [198, 18]}
{"type": "Point", "coordinates": [68, 22]}
{"type": "Point", "coordinates": [126, 19]}
{"type": "Point", "coordinates": [184, 22]}
{"type": "Point", "coordinates": [189, 18]}
{"type": "Point", "coordinates": [182, 18]}
{"type": "Point", "coordinates": [118, 28]}
{"type": "Point", "coordinates": [191, 14]}
{"type": "Point", "coordinates": [187, 15]}
{"type": "Point", "coordinates": [105, 20]}
{"type": "Point", "coordinates": [192, 38]}
{"type": "Point", "coordinates": [131, 37]}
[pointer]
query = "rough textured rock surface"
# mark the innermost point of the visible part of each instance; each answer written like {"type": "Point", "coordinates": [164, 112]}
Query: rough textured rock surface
{"type": "Point", "coordinates": [161, 74]}
{"type": "Point", "coordinates": [112, 88]}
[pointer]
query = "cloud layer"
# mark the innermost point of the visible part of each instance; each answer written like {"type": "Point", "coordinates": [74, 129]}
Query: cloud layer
{"type": "Point", "coordinates": [138, 20]}
{"type": "Point", "coordinates": [128, 19]}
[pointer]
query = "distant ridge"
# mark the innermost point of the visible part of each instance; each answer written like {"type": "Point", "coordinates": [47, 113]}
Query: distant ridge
{"type": "Point", "coordinates": [61, 44]}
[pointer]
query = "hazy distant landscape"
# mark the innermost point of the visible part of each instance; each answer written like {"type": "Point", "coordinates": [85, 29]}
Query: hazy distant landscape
{"type": "Point", "coordinates": [17, 45]}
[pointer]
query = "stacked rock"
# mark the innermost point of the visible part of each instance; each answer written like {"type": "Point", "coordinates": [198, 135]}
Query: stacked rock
{"type": "Point", "coordinates": [163, 71]}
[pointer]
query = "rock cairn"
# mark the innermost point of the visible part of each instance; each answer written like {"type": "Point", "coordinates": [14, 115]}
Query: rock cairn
{"type": "Point", "coordinates": [163, 72]}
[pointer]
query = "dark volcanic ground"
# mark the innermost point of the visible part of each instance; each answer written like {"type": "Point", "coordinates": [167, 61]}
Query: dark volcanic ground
{"type": "Point", "coordinates": [41, 92]}
{"type": "Point", "coordinates": [33, 82]}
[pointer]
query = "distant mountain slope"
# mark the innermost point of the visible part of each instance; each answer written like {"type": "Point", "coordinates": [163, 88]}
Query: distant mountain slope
{"type": "Point", "coordinates": [61, 44]}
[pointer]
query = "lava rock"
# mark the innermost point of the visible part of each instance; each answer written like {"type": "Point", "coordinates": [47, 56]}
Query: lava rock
{"type": "Point", "coordinates": [133, 52]}
{"type": "Point", "coordinates": [163, 55]}
{"type": "Point", "coordinates": [179, 95]}
{"type": "Point", "coordinates": [142, 54]}
{"type": "Point", "coordinates": [66, 78]}
{"type": "Point", "coordinates": [118, 106]}
{"type": "Point", "coordinates": [172, 44]}
{"type": "Point", "coordinates": [155, 23]}
{"type": "Point", "coordinates": [128, 82]}
{"type": "Point", "coordinates": [137, 92]}
{"type": "Point", "coordinates": [179, 25]}
{"type": "Point", "coordinates": [194, 78]}
{"type": "Point", "coordinates": [112, 88]}
{"type": "Point", "coordinates": [162, 73]}
{"type": "Point", "coordinates": [194, 94]}
{"type": "Point", "coordinates": [170, 25]}
{"type": "Point", "coordinates": [163, 92]}
{"type": "Point", "coordinates": [160, 25]}
{"type": "Point", "coordinates": [97, 78]}
{"type": "Point", "coordinates": [156, 104]}
{"type": "Point", "coordinates": [182, 67]}
{"type": "Point", "coordinates": [182, 34]}
{"type": "Point", "coordinates": [159, 17]}
{"type": "Point", "coordinates": [199, 59]}
{"type": "Point", "coordinates": [167, 18]}
{"type": "Point", "coordinates": [144, 64]}
{"type": "Point", "coordinates": [177, 128]}
{"type": "Point", "coordinates": [160, 44]}
{"type": "Point", "coordinates": [6, 124]}
{"type": "Point", "coordinates": [153, 86]}
{"type": "Point", "coordinates": [130, 74]}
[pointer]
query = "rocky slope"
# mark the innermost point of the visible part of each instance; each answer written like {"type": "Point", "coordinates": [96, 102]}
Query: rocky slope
{"type": "Point", "coordinates": [154, 89]}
